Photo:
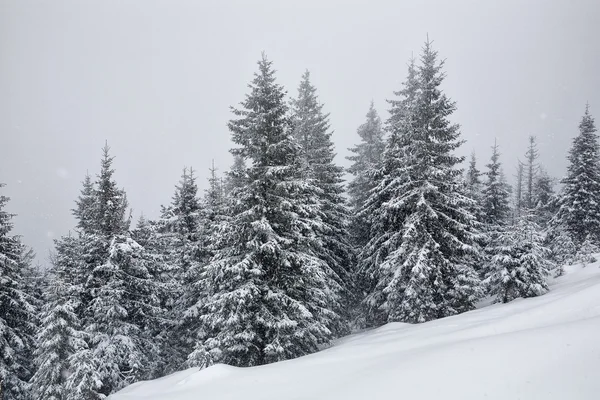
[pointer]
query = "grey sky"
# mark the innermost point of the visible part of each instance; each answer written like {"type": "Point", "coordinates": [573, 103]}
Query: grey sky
{"type": "Point", "coordinates": [156, 79]}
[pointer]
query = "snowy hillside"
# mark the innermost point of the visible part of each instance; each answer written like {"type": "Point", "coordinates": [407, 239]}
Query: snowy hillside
{"type": "Point", "coordinates": [541, 348]}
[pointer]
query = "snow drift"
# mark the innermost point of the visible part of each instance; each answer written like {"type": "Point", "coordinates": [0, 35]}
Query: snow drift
{"type": "Point", "coordinates": [540, 348]}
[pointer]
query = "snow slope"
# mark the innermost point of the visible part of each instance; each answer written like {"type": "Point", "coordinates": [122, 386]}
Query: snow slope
{"type": "Point", "coordinates": [541, 348]}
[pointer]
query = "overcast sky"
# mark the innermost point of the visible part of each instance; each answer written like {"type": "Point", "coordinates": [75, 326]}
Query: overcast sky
{"type": "Point", "coordinates": [156, 79]}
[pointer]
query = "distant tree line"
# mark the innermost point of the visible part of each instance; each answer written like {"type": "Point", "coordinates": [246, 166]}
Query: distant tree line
{"type": "Point", "coordinates": [278, 257]}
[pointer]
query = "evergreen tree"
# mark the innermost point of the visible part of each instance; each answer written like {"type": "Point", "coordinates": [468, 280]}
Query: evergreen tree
{"type": "Point", "coordinates": [366, 161]}
{"type": "Point", "coordinates": [424, 241]}
{"type": "Point", "coordinates": [496, 193]}
{"type": "Point", "coordinates": [112, 293]}
{"type": "Point", "coordinates": [85, 210]}
{"type": "Point", "coordinates": [518, 199]}
{"type": "Point", "coordinates": [311, 130]}
{"type": "Point", "coordinates": [183, 242]}
{"type": "Point", "coordinates": [544, 197]}
{"type": "Point", "coordinates": [520, 263]}
{"type": "Point", "coordinates": [474, 187]}
{"type": "Point", "coordinates": [531, 173]}
{"type": "Point", "coordinates": [59, 337]}
{"type": "Point", "coordinates": [587, 252]}
{"type": "Point", "coordinates": [389, 183]}
{"type": "Point", "coordinates": [579, 201]}
{"type": "Point", "coordinates": [269, 295]}
{"type": "Point", "coordinates": [17, 313]}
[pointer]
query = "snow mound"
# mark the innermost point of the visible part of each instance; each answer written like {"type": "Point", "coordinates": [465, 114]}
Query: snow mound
{"type": "Point", "coordinates": [541, 348]}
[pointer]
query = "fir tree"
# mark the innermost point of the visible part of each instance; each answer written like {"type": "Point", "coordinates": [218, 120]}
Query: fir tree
{"type": "Point", "coordinates": [311, 130]}
{"type": "Point", "coordinates": [587, 252]}
{"type": "Point", "coordinates": [59, 337]}
{"type": "Point", "coordinates": [424, 241]}
{"type": "Point", "coordinates": [17, 313]}
{"type": "Point", "coordinates": [366, 160]}
{"type": "Point", "coordinates": [579, 201]}
{"type": "Point", "coordinates": [382, 239]}
{"type": "Point", "coordinates": [544, 197]}
{"type": "Point", "coordinates": [85, 210]}
{"type": "Point", "coordinates": [182, 239]}
{"type": "Point", "coordinates": [496, 193]}
{"type": "Point", "coordinates": [520, 263]}
{"type": "Point", "coordinates": [474, 187]}
{"type": "Point", "coordinates": [269, 297]}
{"type": "Point", "coordinates": [518, 192]}
{"type": "Point", "coordinates": [115, 295]}
{"type": "Point", "coordinates": [531, 173]}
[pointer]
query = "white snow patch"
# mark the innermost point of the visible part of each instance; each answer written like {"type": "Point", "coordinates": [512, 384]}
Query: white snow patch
{"type": "Point", "coordinates": [541, 348]}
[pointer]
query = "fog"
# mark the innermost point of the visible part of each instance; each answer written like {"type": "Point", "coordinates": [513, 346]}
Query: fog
{"type": "Point", "coordinates": [156, 79]}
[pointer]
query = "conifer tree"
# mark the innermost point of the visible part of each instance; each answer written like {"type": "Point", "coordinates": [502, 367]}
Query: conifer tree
{"type": "Point", "coordinates": [579, 201]}
{"type": "Point", "coordinates": [269, 295]}
{"type": "Point", "coordinates": [520, 265]}
{"type": "Point", "coordinates": [531, 173]}
{"type": "Point", "coordinates": [182, 239]}
{"type": "Point", "coordinates": [17, 313]}
{"type": "Point", "coordinates": [85, 210]}
{"type": "Point", "coordinates": [382, 240]}
{"type": "Point", "coordinates": [366, 161]}
{"type": "Point", "coordinates": [112, 294]}
{"type": "Point", "coordinates": [587, 252]}
{"type": "Point", "coordinates": [544, 197]}
{"type": "Point", "coordinates": [424, 238]}
{"type": "Point", "coordinates": [474, 187]}
{"type": "Point", "coordinates": [59, 337]}
{"type": "Point", "coordinates": [496, 193]}
{"type": "Point", "coordinates": [518, 193]}
{"type": "Point", "coordinates": [311, 130]}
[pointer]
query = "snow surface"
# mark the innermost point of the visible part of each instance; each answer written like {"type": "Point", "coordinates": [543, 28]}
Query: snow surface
{"type": "Point", "coordinates": [541, 348]}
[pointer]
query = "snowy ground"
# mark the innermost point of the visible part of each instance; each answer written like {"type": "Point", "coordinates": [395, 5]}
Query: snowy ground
{"type": "Point", "coordinates": [543, 348]}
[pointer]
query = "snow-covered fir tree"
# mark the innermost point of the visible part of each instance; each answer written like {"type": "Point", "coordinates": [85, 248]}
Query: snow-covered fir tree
{"type": "Point", "coordinates": [579, 200]}
{"type": "Point", "coordinates": [519, 266]}
{"type": "Point", "coordinates": [311, 131]}
{"type": "Point", "coordinates": [531, 174]}
{"type": "Point", "coordinates": [182, 240]}
{"type": "Point", "coordinates": [112, 292]}
{"type": "Point", "coordinates": [495, 192]}
{"type": "Point", "coordinates": [544, 197]}
{"type": "Point", "coordinates": [474, 187]}
{"type": "Point", "coordinates": [60, 336]}
{"type": "Point", "coordinates": [382, 240]}
{"type": "Point", "coordinates": [17, 313]}
{"type": "Point", "coordinates": [270, 296]}
{"type": "Point", "coordinates": [366, 161]}
{"type": "Point", "coordinates": [423, 236]}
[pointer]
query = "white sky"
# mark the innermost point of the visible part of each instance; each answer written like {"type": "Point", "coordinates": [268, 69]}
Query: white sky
{"type": "Point", "coordinates": [156, 79]}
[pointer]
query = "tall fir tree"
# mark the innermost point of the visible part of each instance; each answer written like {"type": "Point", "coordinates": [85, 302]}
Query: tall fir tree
{"type": "Point", "coordinates": [312, 132]}
{"type": "Point", "coordinates": [108, 303]}
{"type": "Point", "coordinates": [474, 187]}
{"type": "Point", "coordinates": [421, 255]}
{"type": "Point", "coordinates": [366, 161]}
{"type": "Point", "coordinates": [496, 192]}
{"type": "Point", "coordinates": [531, 174]}
{"type": "Point", "coordinates": [17, 313]}
{"type": "Point", "coordinates": [579, 200]}
{"type": "Point", "coordinates": [382, 240]}
{"type": "Point", "coordinates": [60, 336]}
{"type": "Point", "coordinates": [269, 295]}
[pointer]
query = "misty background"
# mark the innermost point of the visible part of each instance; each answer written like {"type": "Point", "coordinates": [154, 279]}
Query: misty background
{"type": "Point", "coordinates": [156, 80]}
